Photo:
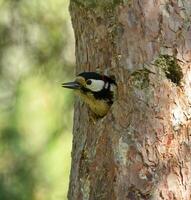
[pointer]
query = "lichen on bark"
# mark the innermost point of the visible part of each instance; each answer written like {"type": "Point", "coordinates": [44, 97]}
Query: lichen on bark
{"type": "Point", "coordinates": [169, 64]}
{"type": "Point", "coordinates": [140, 79]}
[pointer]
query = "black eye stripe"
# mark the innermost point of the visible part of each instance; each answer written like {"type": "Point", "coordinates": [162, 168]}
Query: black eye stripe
{"type": "Point", "coordinates": [88, 82]}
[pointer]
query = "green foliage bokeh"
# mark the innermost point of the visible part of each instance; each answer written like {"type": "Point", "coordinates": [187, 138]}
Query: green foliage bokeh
{"type": "Point", "coordinates": [36, 55]}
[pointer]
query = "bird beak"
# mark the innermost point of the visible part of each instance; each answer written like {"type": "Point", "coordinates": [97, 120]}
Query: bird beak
{"type": "Point", "coordinates": [71, 85]}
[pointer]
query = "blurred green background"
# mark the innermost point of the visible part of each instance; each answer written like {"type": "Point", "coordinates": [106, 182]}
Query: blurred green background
{"type": "Point", "coordinates": [36, 55]}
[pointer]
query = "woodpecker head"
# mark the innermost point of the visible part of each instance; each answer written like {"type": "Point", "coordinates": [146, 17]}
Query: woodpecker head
{"type": "Point", "coordinates": [98, 91]}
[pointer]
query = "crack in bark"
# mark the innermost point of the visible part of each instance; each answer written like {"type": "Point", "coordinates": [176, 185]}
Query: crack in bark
{"type": "Point", "coordinates": [181, 174]}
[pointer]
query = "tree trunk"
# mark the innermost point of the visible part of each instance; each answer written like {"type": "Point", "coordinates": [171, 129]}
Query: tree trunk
{"type": "Point", "coordinates": [141, 149]}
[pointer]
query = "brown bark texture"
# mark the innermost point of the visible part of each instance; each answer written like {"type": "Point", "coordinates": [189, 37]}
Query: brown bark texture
{"type": "Point", "coordinates": [142, 148]}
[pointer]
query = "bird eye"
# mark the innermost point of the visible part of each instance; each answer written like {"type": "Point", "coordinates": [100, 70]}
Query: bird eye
{"type": "Point", "coordinates": [88, 82]}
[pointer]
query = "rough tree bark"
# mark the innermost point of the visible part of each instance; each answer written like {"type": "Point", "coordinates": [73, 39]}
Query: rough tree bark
{"type": "Point", "coordinates": [142, 148]}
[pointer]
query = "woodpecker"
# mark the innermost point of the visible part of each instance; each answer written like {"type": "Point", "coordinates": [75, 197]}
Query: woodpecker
{"type": "Point", "coordinates": [96, 90]}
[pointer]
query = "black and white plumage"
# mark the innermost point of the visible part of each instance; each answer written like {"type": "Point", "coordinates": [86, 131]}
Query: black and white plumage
{"type": "Point", "coordinates": [97, 91]}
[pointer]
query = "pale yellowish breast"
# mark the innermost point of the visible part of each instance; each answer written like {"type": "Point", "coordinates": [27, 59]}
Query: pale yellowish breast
{"type": "Point", "coordinates": [99, 107]}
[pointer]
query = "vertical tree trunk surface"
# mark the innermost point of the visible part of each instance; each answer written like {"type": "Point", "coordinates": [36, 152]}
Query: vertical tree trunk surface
{"type": "Point", "coordinates": [141, 149]}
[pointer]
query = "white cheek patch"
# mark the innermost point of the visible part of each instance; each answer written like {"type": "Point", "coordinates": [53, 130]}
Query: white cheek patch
{"type": "Point", "coordinates": [96, 85]}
